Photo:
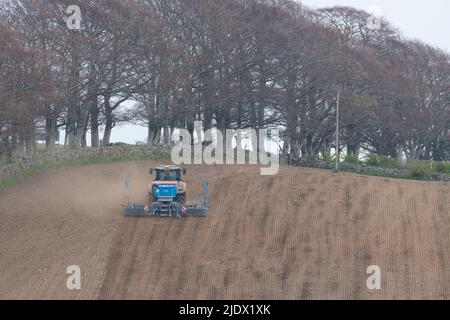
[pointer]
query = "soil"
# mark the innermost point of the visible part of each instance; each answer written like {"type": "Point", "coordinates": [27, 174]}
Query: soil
{"type": "Point", "coordinates": [302, 234]}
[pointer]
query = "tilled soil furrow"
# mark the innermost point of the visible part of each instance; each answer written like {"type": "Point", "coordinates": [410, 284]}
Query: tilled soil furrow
{"type": "Point", "coordinates": [302, 234]}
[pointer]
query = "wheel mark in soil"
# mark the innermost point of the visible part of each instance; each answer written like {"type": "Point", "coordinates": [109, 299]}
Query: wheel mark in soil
{"type": "Point", "coordinates": [226, 278]}
{"type": "Point", "coordinates": [307, 284]}
{"type": "Point", "coordinates": [264, 218]}
{"type": "Point", "coordinates": [348, 199]}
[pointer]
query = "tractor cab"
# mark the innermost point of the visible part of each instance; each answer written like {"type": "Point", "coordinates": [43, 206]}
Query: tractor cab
{"type": "Point", "coordinates": [168, 185]}
{"type": "Point", "coordinates": [168, 173]}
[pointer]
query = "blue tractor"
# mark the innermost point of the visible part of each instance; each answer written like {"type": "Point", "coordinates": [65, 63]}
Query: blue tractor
{"type": "Point", "coordinates": [167, 196]}
{"type": "Point", "coordinates": [168, 185]}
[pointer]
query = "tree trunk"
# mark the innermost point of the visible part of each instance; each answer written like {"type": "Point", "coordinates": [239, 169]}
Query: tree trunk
{"type": "Point", "coordinates": [95, 136]}
{"type": "Point", "coordinates": [292, 118]}
{"type": "Point", "coordinates": [166, 138]}
{"type": "Point", "coordinates": [30, 139]}
{"type": "Point", "coordinates": [109, 122]}
{"type": "Point", "coordinates": [157, 139]}
{"type": "Point", "coordinates": [10, 144]}
{"type": "Point", "coordinates": [84, 139]}
{"type": "Point", "coordinates": [70, 133]}
{"type": "Point", "coordinates": [73, 113]}
{"type": "Point", "coordinates": [94, 109]}
{"type": "Point", "coordinates": [152, 135]}
{"type": "Point", "coordinates": [50, 137]}
{"type": "Point", "coordinates": [107, 134]}
{"type": "Point", "coordinates": [208, 110]}
{"type": "Point", "coordinates": [190, 115]}
{"type": "Point", "coordinates": [353, 149]}
{"type": "Point", "coordinates": [79, 138]}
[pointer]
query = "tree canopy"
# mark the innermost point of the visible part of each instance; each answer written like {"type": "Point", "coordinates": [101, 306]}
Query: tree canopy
{"type": "Point", "coordinates": [231, 64]}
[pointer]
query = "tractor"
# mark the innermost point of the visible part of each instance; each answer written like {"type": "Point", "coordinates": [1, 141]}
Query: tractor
{"type": "Point", "coordinates": [168, 185]}
{"type": "Point", "coordinates": [167, 196]}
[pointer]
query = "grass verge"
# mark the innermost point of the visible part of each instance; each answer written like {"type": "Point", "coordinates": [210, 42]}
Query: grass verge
{"type": "Point", "coordinates": [398, 177]}
{"type": "Point", "coordinates": [33, 170]}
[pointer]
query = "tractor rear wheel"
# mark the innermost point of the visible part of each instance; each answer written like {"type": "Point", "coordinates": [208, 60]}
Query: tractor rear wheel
{"type": "Point", "coordinates": [181, 198]}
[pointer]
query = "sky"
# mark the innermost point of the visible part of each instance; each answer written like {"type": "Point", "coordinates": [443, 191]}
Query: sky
{"type": "Point", "coordinates": [427, 21]}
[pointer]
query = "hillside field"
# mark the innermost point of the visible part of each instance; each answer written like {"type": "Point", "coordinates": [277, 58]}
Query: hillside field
{"type": "Point", "coordinates": [302, 234]}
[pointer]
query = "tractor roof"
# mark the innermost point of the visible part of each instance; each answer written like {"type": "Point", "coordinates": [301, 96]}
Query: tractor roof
{"type": "Point", "coordinates": [168, 168]}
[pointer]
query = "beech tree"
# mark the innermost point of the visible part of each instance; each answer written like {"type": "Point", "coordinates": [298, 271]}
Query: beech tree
{"type": "Point", "coordinates": [232, 64]}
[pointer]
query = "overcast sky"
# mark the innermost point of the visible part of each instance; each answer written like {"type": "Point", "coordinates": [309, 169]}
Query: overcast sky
{"type": "Point", "coordinates": [428, 21]}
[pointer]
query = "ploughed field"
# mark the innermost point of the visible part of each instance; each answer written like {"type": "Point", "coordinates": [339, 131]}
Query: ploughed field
{"type": "Point", "coordinates": [301, 234]}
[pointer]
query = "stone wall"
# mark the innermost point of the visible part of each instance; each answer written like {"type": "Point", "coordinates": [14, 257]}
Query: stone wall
{"type": "Point", "coordinates": [23, 163]}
